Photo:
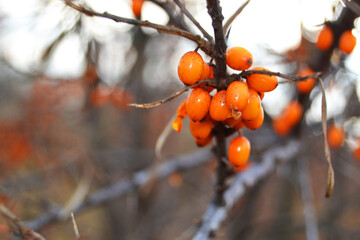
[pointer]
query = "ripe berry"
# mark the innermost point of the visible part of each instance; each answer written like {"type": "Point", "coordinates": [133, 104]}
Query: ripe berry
{"type": "Point", "coordinates": [325, 39]}
{"type": "Point", "coordinates": [252, 109]}
{"type": "Point", "coordinates": [136, 7]}
{"type": "Point", "coordinates": [335, 136]}
{"type": "Point", "coordinates": [197, 104]}
{"type": "Point", "coordinates": [281, 126]}
{"type": "Point", "coordinates": [347, 42]}
{"type": "Point", "coordinates": [190, 67]}
{"type": "Point", "coordinates": [239, 58]}
{"type": "Point", "coordinates": [201, 129]}
{"type": "Point", "coordinates": [305, 87]}
{"type": "Point", "coordinates": [206, 72]}
{"type": "Point", "coordinates": [181, 110]}
{"type": "Point", "coordinates": [262, 82]}
{"type": "Point", "coordinates": [293, 113]}
{"type": "Point", "coordinates": [177, 124]}
{"type": "Point", "coordinates": [234, 123]}
{"type": "Point", "coordinates": [239, 151]}
{"type": "Point", "coordinates": [237, 95]}
{"type": "Point", "coordinates": [256, 122]}
{"type": "Point", "coordinates": [202, 142]}
{"type": "Point", "coordinates": [219, 110]}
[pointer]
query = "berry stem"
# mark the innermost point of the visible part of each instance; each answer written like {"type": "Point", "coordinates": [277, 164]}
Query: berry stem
{"type": "Point", "coordinates": [222, 172]}
{"type": "Point", "coordinates": [214, 10]}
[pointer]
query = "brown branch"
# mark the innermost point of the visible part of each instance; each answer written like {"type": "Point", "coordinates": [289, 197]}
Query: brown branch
{"type": "Point", "coordinates": [291, 78]}
{"type": "Point", "coordinates": [233, 17]}
{"type": "Point", "coordinates": [193, 20]}
{"type": "Point", "coordinates": [76, 229]}
{"type": "Point", "coordinates": [202, 43]}
{"type": "Point", "coordinates": [17, 227]}
{"type": "Point", "coordinates": [174, 95]}
{"type": "Point", "coordinates": [330, 178]}
{"type": "Point", "coordinates": [353, 6]}
{"type": "Point", "coordinates": [214, 10]}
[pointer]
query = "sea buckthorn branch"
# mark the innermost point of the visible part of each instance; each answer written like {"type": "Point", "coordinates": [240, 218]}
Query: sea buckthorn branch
{"type": "Point", "coordinates": [215, 214]}
{"type": "Point", "coordinates": [202, 43]}
{"type": "Point", "coordinates": [210, 82]}
{"type": "Point", "coordinates": [124, 186]}
{"type": "Point", "coordinates": [291, 78]}
{"type": "Point", "coordinates": [17, 227]}
{"type": "Point", "coordinates": [355, 7]}
{"type": "Point", "coordinates": [193, 20]}
{"type": "Point", "coordinates": [214, 10]}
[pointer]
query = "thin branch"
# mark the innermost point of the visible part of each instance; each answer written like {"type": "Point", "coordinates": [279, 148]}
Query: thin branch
{"type": "Point", "coordinates": [125, 186]}
{"type": "Point", "coordinates": [17, 227]}
{"type": "Point", "coordinates": [330, 178]}
{"type": "Point", "coordinates": [76, 229]}
{"type": "Point", "coordinates": [193, 20]}
{"type": "Point", "coordinates": [203, 44]}
{"type": "Point", "coordinates": [233, 17]}
{"type": "Point", "coordinates": [311, 226]}
{"type": "Point", "coordinates": [353, 6]}
{"type": "Point", "coordinates": [291, 78]}
{"type": "Point", "coordinates": [215, 215]}
{"type": "Point", "coordinates": [174, 95]}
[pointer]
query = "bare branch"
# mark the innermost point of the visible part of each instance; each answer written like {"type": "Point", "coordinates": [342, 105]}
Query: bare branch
{"type": "Point", "coordinates": [203, 44]}
{"type": "Point", "coordinates": [291, 78]}
{"type": "Point", "coordinates": [125, 186]}
{"type": "Point", "coordinates": [312, 232]}
{"type": "Point", "coordinates": [353, 6]}
{"type": "Point", "coordinates": [17, 227]}
{"type": "Point", "coordinates": [330, 178]}
{"type": "Point", "coordinates": [174, 95]}
{"type": "Point", "coordinates": [193, 20]}
{"type": "Point", "coordinates": [233, 17]}
{"type": "Point", "coordinates": [76, 229]}
{"type": "Point", "coordinates": [215, 215]}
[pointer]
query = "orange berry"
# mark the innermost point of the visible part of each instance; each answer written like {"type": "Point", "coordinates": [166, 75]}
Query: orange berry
{"type": "Point", "coordinates": [219, 110]}
{"type": "Point", "coordinates": [347, 42]}
{"type": "Point", "coordinates": [234, 123]}
{"type": "Point", "coordinates": [262, 82]}
{"type": "Point", "coordinates": [190, 68]}
{"type": "Point", "coordinates": [325, 39]}
{"type": "Point", "coordinates": [206, 71]}
{"type": "Point", "coordinates": [252, 109]}
{"type": "Point", "coordinates": [197, 104]}
{"type": "Point", "coordinates": [177, 124]}
{"type": "Point", "coordinates": [281, 126]}
{"type": "Point", "coordinates": [201, 129]}
{"type": "Point", "coordinates": [136, 7]}
{"type": "Point", "coordinates": [202, 142]}
{"type": "Point", "coordinates": [100, 95]}
{"type": "Point", "coordinates": [256, 122]}
{"type": "Point", "coordinates": [237, 95]}
{"type": "Point", "coordinates": [239, 58]}
{"type": "Point", "coordinates": [211, 72]}
{"type": "Point", "coordinates": [335, 136]}
{"type": "Point", "coordinates": [121, 98]}
{"type": "Point", "coordinates": [356, 153]}
{"type": "Point", "coordinates": [262, 95]}
{"type": "Point", "coordinates": [305, 87]}
{"type": "Point", "coordinates": [293, 113]}
{"type": "Point", "coordinates": [181, 110]}
{"type": "Point", "coordinates": [239, 151]}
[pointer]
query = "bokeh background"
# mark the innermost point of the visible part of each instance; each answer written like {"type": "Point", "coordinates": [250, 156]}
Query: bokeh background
{"type": "Point", "coordinates": [65, 126]}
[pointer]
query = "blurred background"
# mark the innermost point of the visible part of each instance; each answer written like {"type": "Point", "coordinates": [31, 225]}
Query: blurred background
{"type": "Point", "coordinates": [66, 129]}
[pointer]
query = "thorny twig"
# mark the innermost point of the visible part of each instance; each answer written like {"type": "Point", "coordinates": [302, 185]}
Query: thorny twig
{"type": "Point", "coordinates": [215, 214]}
{"type": "Point", "coordinates": [202, 43]}
{"type": "Point", "coordinates": [233, 17]}
{"type": "Point", "coordinates": [17, 227]}
{"type": "Point", "coordinates": [193, 20]}
{"type": "Point", "coordinates": [124, 186]}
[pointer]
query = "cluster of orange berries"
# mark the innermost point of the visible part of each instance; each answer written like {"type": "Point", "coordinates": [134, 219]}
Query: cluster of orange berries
{"type": "Point", "coordinates": [346, 44]}
{"type": "Point", "coordinates": [237, 106]}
